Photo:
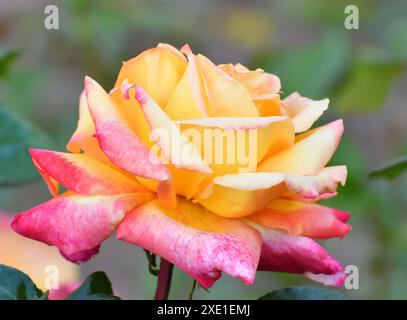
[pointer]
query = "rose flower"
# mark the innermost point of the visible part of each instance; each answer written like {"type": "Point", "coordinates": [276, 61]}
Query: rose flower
{"type": "Point", "coordinates": [200, 164]}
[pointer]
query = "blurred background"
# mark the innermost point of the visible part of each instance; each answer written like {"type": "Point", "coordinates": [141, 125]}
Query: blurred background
{"type": "Point", "coordinates": [305, 43]}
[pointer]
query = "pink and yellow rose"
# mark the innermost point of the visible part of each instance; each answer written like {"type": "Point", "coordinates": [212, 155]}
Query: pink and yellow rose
{"type": "Point", "coordinates": [123, 172]}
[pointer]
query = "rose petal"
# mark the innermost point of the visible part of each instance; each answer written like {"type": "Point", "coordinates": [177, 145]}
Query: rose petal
{"type": "Point", "coordinates": [158, 71]}
{"type": "Point", "coordinates": [52, 184]}
{"type": "Point", "coordinates": [174, 145]}
{"type": "Point", "coordinates": [298, 218]}
{"type": "Point", "coordinates": [257, 82]}
{"type": "Point", "coordinates": [195, 240]}
{"type": "Point", "coordinates": [121, 145]}
{"type": "Point", "coordinates": [227, 97]}
{"type": "Point", "coordinates": [316, 188]}
{"type": "Point", "coordinates": [232, 145]}
{"type": "Point", "coordinates": [31, 257]}
{"type": "Point", "coordinates": [76, 224]}
{"type": "Point", "coordinates": [239, 195]}
{"type": "Point", "coordinates": [310, 153]}
{"type": "Point", "coordinates": [189, 99]}
{"type": "Point", "coordinates": [282, 252]}
{"type": "Point", "coordinates": [83, 174]}
{"type": "Point", "coordinates": [268, 105]}
{"type": "Point", "coordinates": [206, 90]}
{"type": "Point", "coordinates": [84, 138]}
{"type": "Point", "coordinates": [303, 111]}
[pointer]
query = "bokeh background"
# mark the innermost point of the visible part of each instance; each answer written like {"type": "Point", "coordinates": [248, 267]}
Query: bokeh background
{"type": "Point", "coordinates": [363, 72]}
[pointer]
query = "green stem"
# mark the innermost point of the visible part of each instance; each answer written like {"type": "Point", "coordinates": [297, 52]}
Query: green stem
{"type": "Point", "coordinates": [191, 293]}
{"type": "Point", "coordinates": [152, 265]}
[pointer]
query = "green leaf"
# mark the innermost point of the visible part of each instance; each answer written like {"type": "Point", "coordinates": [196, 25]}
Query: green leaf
{"type": "Point", "coordinates": [367, 86]}
{"type": "Point", "coordinates": [16, 285]}
{"type": "Point", "coordinates": [7, 57]}
{"type": "Point", "coordinates": [96, 286]}
{"type": "Point", "coordinates": [391, 170]}
{"type": "Point", "coordinates": [16, 136]}
{"type": "Point", "coordinates": [312, 70]}
{"type": "Point", "coordinates": [304, 293]}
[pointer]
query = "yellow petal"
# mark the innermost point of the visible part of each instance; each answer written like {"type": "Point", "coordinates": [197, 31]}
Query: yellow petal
{"type": "Point", "coordinates": [227, 97]}
{"type": "Point", "coordinates": [239, 195]}
{"type": "Point", "coordinates": [158, 71]}
{"type": "Point", "coordinates": [232, 145]}
{"type": "Point", "coordinates": [309, 155]}
{"type": "Point", "coordinates": [257, 82]}
{"type": "Point", "coordinates": [189, 99]}
{"type": "Point", "coordinates": [207, 90]}
{"type": "Point", "coordinates": [268, 105]}
{"type": "Point", "coordinates": [303, 111]}
{"type": "Point", "coordinates": [174, 145]}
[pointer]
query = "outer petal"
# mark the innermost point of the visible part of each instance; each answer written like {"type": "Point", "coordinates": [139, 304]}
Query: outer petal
{"type": "Point", "coordinates": [315, 188]}
{"type": "Point", "coordinates": [121, 145]}
{"type": "Point", "coordinates": [310, 153]}
{"type": "Point", "coordinates": [76, 224]}
{"type": "Point", "coordinates": [239, 195]}
{"type": "Point", "coordinates": [32, 257]}
{"type": "Point", "coordinates": [303, 111]}
{"type": "Point", "coordinates": [234, 145]}
{"type": "Point", "coordinates": [52, 184]}
{"type": "Point", "coordinates": [206, 90]}
{"type": "Point", "coordinates": [282, 252]}
{"type": "Point", "coordinates": [257, 82]}
{"type": "Point", "coordinates": [197, 241]}
{"type": "Point", "coordinates": [83, 174]}
{"type": "Point", "coordinates": [84, 138]}
{"type": "Point", "coordinates": [298, 218]}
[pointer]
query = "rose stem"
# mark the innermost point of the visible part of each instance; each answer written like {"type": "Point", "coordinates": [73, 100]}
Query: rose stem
{"type": "Point", "coordinates": [164, 280]}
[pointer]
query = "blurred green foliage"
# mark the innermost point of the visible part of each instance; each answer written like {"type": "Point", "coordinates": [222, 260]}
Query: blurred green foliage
{"type": "Point", "coordinates": [16, 136]}
{"type": "Point", "coordinates": [16, 285]}
{"type": "Point", "coordinates": [7, 57]}
{"type": "Point", "coordinates": [392, 170]}
{"type": "Point", "coordinates": [304, 43]}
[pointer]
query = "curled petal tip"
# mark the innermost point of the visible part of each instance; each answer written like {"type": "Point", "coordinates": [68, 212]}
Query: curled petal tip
{"type": "Point", "coordinates": [338, 125]}
{"type": "Point", "coordinates": [125, 87]}
{"type": "Point", "coordinates": [140, 95]}
{"type": "Point", "coordinates": [14, 224]}
{"type": "Point", "coordinates": [186, 49]}
{"type": "Point", "coordinates": [88, 80]}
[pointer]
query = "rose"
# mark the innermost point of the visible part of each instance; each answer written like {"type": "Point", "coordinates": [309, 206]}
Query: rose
{"type": "Point", "coordinates": [205, 217]}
